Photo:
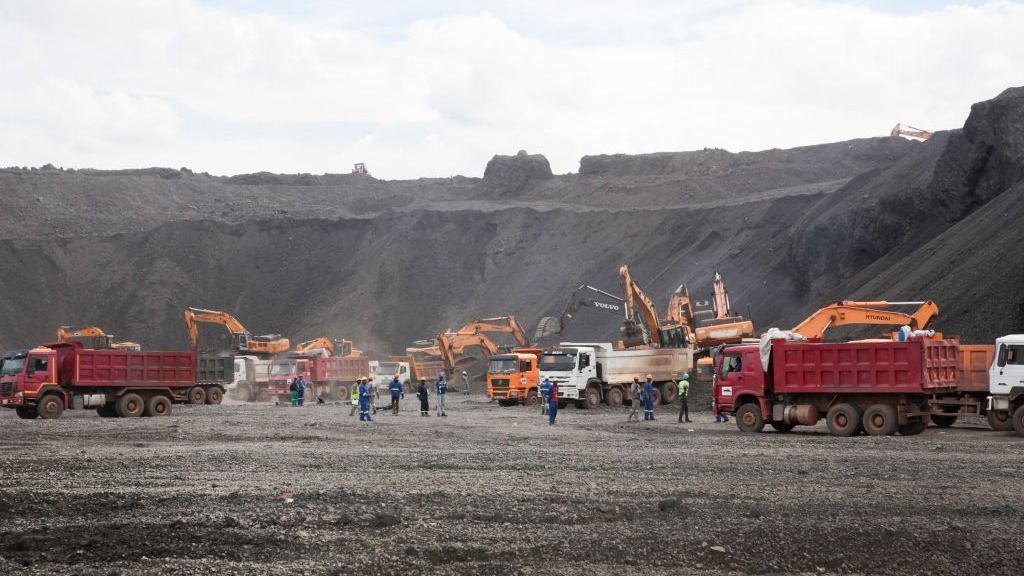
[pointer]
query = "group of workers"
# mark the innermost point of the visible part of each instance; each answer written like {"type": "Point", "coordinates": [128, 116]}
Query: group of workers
{"type": "Point", "coordinates": [364, 395]}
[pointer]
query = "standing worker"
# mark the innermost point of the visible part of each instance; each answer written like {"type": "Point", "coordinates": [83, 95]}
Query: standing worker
{"type": "Point", "coordinates": [300, 389]}
{"type": "Point", "coordinates": [293, 387]}
{"type": "Point", "coordinates": [684, 389]}
{"type": "Point", "coordinates": [465, 383]}
{"type": "Point", "coordinates": [441, 390]}
{"type": "Point", "coordinates": [423, 394]}
{"type": "Point", "coordinates": [396, 392]}
{"type": "Point", "coordinates": [648, 398]}
{"type": "Point", "coordinates": [364, 402]}
{"type": "Point", "coordinates": [636, 394]}
{"type": "Point", "coordinates": [353, 396]}
{"type": "Point", "coordinates": [374, 393]}
{"type": "Point", "coordinates": [552, 404]}
{"type": "Point", "coordinates": [545, 395]}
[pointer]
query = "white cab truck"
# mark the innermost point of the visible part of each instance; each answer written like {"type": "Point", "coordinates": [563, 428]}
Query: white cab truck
{"type": "Point", "coordinates": [592, 373]}
{"type": "Point", "coordinates": [1006, 381]}
{"type": "Point", "coordinates": [383, 372]}
{"type": "Point", "coordinates": [251, 379]}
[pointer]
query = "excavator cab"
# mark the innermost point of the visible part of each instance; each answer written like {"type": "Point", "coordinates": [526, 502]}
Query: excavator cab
{"type": "Point", "coordinates": [240, 342]}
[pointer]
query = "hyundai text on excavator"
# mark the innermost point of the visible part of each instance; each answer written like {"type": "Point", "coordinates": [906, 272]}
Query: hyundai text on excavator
{"type": "Point", "coordinates": [241, 340]}
{"type": "Point", "coordinates": [95, 338]}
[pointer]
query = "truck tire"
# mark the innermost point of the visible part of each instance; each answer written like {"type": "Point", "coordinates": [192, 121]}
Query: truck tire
{"type": "Point", "coordinates": [943, 420]}
{"type": "Point", "coordinates": [749, 419]}
{"type": "Point", "coordinates": [880, 420]}
{"type": "Point", "coordinates": [531, 397]}
{"type": "Point", "coordinates": [214, 395]}
{"type": "Point", "coordinates": [669, 392]}
{"type": "Point", "coordinates": [613, 397]}
{"type": "Point", "coordinates": [782, 427]}
{"type": "Point", "coordinates": [130, 406]}
{"type": "Point", "coordinates": [107, 411]}
{"type": "Point", "coordinates": [913, 428]}
{"type": "Point", "coordinates": [844, 420]}
{"type": "Point", "coordinates": [1018, 420]}
{"type": "Point", "coordinates": [342, 392]}
{"type": "Point", "coordinates": [158, 406]}
{"type": "Point", "coordinates": [50, 407]}
{"type": "Point", "coordinates": [26, 413]}
{"type": "Point", "coordinates": [999, 422]}
{"type": "Point", "coordinates": [242, 393]}
{"type": "Point", "coordinates": [196, 395]}
{"type": "Point", "coordinates": [657, 397]}
{"type": "Point", "coordinates": [591, 398]}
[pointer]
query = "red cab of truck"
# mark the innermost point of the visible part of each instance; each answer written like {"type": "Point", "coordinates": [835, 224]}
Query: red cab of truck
{"type": "Point", "coordinates": [64, 376]}
{"type": "Point", "coordinates": [878, 386]}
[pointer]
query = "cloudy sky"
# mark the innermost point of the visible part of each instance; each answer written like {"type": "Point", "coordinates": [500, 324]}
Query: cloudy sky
{"type": "Point", "coordinates": [418, 88]}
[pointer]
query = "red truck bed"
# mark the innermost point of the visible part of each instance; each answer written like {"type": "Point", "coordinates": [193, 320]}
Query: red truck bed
{"type": "Point", "coordinates": [917, 365]}
{"type": "Point", "coordinates": [117, 367]}
{"type": "Point", "coordinates": [338, 368]}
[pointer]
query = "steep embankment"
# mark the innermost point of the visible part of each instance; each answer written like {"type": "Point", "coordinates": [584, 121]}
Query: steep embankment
{"type": "Point", "coordinates": [388, 262]}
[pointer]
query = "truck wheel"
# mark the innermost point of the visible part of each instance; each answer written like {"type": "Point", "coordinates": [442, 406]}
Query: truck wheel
{"type": "Point", "coordinates": [749, 419]}
{"type": "Point", "coordinates": [913, 428]}
{"type": "Point", "coordinates": [50, 406]}
{"type": "Point", "coordinates": [943, 420]}
{"type": "Point", "coordinates": [999, 421]}
{"type": "Point", "coordinates": [614, 396]}
{"type": "Point", "coordinates": [592, 398]}
{"type": "Point", "coordinates": [263, 396]}
{"type": "Point", "coordinates": [782, 426]}
{"type": "Point", "coordinates": [242, 393]}
{"type": "Point", "coordinates": [196, 395]}
{"type": "Point", "coordinates": [26, 413]}
{"type": "Point", "coordinates": [531, 398]}
{"type": "Point", "coordinates": [130, 406]}
{"type": "Point", "coordinates": [342, 392]}
{"type": "Point", "coordinates": [107, 411]}
{"type": "Point", "coordinates": [844, 420]}
{"type": "Point", "coordinates": [657, 397]}
{"type": "Point", "coordinates": [880, 420]}
{"type": "Point", "coordinates": [214, 395]}
{"type": "Point", "coordinates": [669, 391]}
{"type": "Point", "coordinates": [1018, 420]}
{"type": "Point", "coordinates": [158, 406]}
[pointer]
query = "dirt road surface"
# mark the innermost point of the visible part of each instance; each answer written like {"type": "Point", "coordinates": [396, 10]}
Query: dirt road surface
{"type": "Point", "coordinates": [491, 490]}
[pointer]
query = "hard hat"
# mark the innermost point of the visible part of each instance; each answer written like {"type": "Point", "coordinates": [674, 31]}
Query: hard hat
{"type": "Point", "coordinates": [423, 379]}
{"type": "Point", "coordinates": [371, 377]}
{"type": "Point", "coordinates": [636, 378]}
{"type": "Point", "coordinates": [649, 377]}
{"type": "Point", "coordinates": [686, 375]}
{"type": "Point", "coordinates": [463, 372]}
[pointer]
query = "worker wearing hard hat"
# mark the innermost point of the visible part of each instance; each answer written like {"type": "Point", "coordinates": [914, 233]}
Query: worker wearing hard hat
{"type": "Point", "coordinates": [684, 389]}
{"type": "Point", "coordinates": [353, 396]}
{"type": "Point", "coordinates": [423, 394]}
{"type": "Point", "coordinates": [364, 401]}
{"type": "Point", "coordinates": [465, 383]}
{"type": "Point", "coordinates": [397, 392]}
{"type": "Point", "coordinates": [648, 398]}
{"type": "Point", "coordinates": [441, 393]}
{"type": "Point", "coordinates": [545, 395]}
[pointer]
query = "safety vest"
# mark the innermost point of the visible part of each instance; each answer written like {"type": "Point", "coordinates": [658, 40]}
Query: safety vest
{"type": "Point", "coordinates": [354, 395]}
{"type": "Point", "coordinates": [684, 387]}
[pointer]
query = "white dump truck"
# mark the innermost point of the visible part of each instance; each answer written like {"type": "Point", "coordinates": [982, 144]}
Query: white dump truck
{"type": "Point", "coordinates": [251, 379]}
{"type": "Point", "coordinates": [591, 373]}
{"type": "Point", "coordinates": [1006, 381]}
{"type": "Point", "coordinates": [383, 372]}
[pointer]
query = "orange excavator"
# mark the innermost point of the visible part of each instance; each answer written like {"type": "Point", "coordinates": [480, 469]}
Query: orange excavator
{"type": "Point", "coordinates": [642, 327]}
{"type": "Point", "coordinates": [94, 337]}
{"type": "Point", "coordinates": [323, 346]}
{"type": "Point", "coordinates": [725, 327]}
{"type": "Point", "coordinates": [847, 313]}
{"type": "Point", "coordinates": [910, 132]}
{"type": "Point", "coordinates": [241, 340]}
{"type": "Point", "coordinates": [452, 350]}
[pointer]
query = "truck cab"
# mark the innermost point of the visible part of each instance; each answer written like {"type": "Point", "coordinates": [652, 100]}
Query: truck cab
{"type": "Point", "coordinates": [282, 372]}
{"type": "Point", "coordinates": [514, 377]}
{"type": "Point", "coordinates": [572, 368]}
{"type": "Point", "coordinates": [739, 379]}
{"type": "Point", "coordinates": [385, 372]}
{"type": "Point", "coordinates": [1006, 380]}
{"type": "Point", "coordinates": [25, 377]}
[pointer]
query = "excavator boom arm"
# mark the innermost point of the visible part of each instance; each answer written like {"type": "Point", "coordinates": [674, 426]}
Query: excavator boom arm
{"type": "Point", "coordinates": [847, 313]}
{"type": "Point", "coordinates": [638, 304]}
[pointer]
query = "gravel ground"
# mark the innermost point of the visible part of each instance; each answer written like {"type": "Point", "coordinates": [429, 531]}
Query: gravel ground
{"type": "Point", "coordinates": [493, 490]}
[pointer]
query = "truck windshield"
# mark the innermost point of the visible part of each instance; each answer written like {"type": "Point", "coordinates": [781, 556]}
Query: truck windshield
{"type": "Point", "coordinates": [281, 369]}
{"type": "Point", "coordinates": [502, 366]}
{"type": "Point", "coordinates": [388, 368]}
{"type": "Point", "coordinates": [558, 361]}
{"type": "Point", "coordinates": [13, 366]}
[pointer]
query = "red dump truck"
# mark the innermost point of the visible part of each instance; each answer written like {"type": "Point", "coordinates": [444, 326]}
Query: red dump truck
{"type": "Point", "coordinates": [65, 376]}
{"type": "Point", "coordinates": [327, 377]}
{"type": "Point", "coordinates": [880, 387]}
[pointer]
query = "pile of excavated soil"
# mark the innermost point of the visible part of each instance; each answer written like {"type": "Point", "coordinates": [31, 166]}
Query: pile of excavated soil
{"type": "Point", "coordinates": [387, 262]}
{"type": "Point", "coordinates": [260, 490]}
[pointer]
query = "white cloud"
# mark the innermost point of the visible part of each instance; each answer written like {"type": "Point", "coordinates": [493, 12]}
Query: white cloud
{"type": "Point", "coordinates": [415, 90]}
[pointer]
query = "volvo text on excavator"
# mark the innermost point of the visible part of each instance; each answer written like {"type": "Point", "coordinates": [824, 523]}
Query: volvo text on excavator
{"type": "Point", "coordinates": [581, 297]}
